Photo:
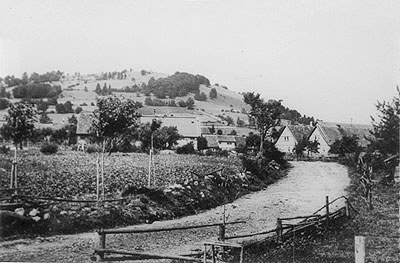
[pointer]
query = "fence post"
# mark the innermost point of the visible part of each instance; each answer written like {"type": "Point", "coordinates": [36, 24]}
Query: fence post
{"type": "Point", "coordinates": [221, 232]}
{"type": "Point", "coordinates": [102, 244]}
{"type": "Point", "coordinates": [359, 249]}
{"type": "Point", "coordinates": [279, 230]}
{"type": "Point", "coordinates": [327, 208]}
{"type": "Point", "coordinates": [347, 208]}
{"type": "Point", "coordinates": [205, 254]}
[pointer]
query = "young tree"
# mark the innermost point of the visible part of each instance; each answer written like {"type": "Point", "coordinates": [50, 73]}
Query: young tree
{"type": "Point", "coordinates": [212, 129]}
{"type": "Point", "coordinates": [166, 137]}
{"type": "Point", "coordinates": [301, 146]}
{"type": "Point", "coordinates": [4, 104]}
{"type": "Point", "coordinates": [190, 103]}
{"type": "Point", "coordinates": [60, 108]}
{"type": "Point", "coordinates": [201, 144]}
{"type": "Point", "coordinates": [229, 120]}
{"type": "Point", "coordinates": [239, 122]}
{"type": "Point", "coordinates": [384, 143]}
{"type": "Point", "coordinates": [266, 114]}
{"type": "Point", "coordinates": [44, 118]}
{"type": "Point", "coordinates": [345, 145]}
{"type": "Point", "coordinates": [19, 127]}
{"type": "Point", "coordinates": [312, 147]}
{"type": "Point", "coordinates": [213, 94]}
{"type": "Point", "coordinates": [42, 106]}
{"type": "Point", "coordinates": [112, 120]}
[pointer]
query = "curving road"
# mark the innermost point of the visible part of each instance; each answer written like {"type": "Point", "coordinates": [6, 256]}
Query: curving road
{"type": "Point", "coordinates": [300, 193]}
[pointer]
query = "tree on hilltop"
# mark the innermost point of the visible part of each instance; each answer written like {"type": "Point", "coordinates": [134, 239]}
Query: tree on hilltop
{"type": "Point", "coordinates": [213, 94]}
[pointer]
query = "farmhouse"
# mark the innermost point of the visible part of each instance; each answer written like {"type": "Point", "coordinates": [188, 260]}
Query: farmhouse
{"type": "Point", "coordinates": [290, 135]}
{"type": "Point", "coordinates": [188, 126]}
{"type": "Point", "coordinates": [327, 133]}
{"type": "Point", "coordinates": [225, 142]}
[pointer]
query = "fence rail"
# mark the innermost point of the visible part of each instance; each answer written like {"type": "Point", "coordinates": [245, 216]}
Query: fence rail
{"type": "Point", "coordinates": [284, 231]}
{"type": "Point", "coordinates": [101, 250]}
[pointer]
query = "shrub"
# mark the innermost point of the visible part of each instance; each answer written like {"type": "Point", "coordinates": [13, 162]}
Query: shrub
{"type": "Point", "coordinates": [186, 149]}
{"type": "Point", "coordinates": [78, 110]}
{"type": "Point", "coordinates": [93, 149]}
{"type": "Point", "coordinates": [4, 149]}
{"type": "Point", "coordinates": [222, 153]}
{"type": "Point", "coordinates": [49, 148]}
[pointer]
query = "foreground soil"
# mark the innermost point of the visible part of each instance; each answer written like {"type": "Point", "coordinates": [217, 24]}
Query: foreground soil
{"type": "Point", "coordinates": [300, 193]}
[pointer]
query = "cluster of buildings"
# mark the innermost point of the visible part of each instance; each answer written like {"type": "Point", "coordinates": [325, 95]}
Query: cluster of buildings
{"type": "Point", "coordinates": [324, 132]}
{"type": "Point", "coordinates": [224, 137]}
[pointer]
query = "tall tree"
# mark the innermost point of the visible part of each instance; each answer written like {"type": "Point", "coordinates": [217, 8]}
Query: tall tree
{"type": "Point", "coordinates": [19, 127]}
{"type": "Point", "coordinates": [384, 143]}
{"type": "Point", "coordinates": [112, 120]}
{"type": "Point", "coordinates": [266, 114]}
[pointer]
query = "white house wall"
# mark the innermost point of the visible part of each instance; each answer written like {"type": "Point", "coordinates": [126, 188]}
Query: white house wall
{"type": "Point", "coordinates": [286, 141]}
{"type": "Point", "coordinates": [323, 145]}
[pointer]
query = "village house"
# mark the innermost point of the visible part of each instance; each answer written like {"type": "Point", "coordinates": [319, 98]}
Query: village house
{"type": "Point", "coordinates": [225, 142]}
{"type": "Point", "coordinates": [327, 133]}
{"type": "Point", "coordinates": [290, 135]}
{"type": "Point", "coordinates": [188, 126]}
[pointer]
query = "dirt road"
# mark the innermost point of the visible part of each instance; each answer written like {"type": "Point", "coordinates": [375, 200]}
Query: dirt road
{"type": "Point", "coordinates": [302, 192]}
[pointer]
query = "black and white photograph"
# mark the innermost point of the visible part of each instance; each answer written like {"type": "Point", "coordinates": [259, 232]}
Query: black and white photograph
{"type": "Point", "coordinates": [199, 131]}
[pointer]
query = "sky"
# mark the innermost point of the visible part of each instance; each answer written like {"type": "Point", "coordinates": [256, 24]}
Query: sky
{"type": "Point", "coordinates": [329, 59]}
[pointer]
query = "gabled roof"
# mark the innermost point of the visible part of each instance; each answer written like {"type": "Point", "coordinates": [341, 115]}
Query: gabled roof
{"type": "Point", "coordinates": [84, 123]}
{"type": "Point", "coordinates": [300, 131]}
{"type": "Point", "coordinates": [205, 130]}
{"type": "Point", "coordinates": [335, 131]}
{"type": "Point", "coordinates": [226, 138]}
{"type": "Point", "coordinates": [187, 126]}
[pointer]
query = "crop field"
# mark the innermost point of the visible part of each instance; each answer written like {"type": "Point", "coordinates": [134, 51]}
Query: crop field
{"type": "Point", "coordinates": [72, 174]}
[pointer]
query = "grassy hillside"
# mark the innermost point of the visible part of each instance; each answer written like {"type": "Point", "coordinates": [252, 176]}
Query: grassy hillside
{"type": "Point", "coordinates": [81, 92]}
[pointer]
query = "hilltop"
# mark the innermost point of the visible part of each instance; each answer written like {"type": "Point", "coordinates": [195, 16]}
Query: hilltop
{"type": "Point", "coordinates": [170, 91]}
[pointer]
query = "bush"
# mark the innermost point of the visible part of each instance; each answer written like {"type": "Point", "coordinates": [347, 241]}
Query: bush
{"type": "Point", "coordinates": [222, 153]}
{"type": "Point", "coordinates": [49, 148]}
{"type": "Point", "coordinates": [4, 149]}
{"type": "Point", "coordinates": [93, 149]}
{"type": "Point", "coordinates": [186, 149]}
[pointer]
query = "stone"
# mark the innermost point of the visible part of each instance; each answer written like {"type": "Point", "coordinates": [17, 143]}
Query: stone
{"type": "Point", "coordinates": [33, 212]}
{"type": "Point", "coordinates": [20, 211]}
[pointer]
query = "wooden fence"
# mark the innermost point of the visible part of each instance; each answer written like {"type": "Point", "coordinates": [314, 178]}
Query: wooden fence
{"type": "Point", "coordinates": [305, 229]}
{"type": "Point", "coordinates": [102, 250]}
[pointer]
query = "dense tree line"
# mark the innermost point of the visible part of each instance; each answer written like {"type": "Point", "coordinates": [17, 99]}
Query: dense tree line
{"type": "Point", "coordinates": [103, 91]}
{"type": "Point", "coordinates": [4, 93]}
{"type": "Point", "coordinates": [4, 103]}
{"type": "Point", "coordinates": [295, 117]}
{"type": "Point", "coordinates": [12, 81]}
{"type": "Point", "coordinates": [113, 75]}
{"type": "Point", "coordinates": [36, 90]}
{"type": "Point", "coordinates": [178, 85]}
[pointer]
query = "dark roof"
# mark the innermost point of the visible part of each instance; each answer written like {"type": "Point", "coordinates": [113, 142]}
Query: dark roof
{"type": "Point", "coordinates": [84, 123]}
{"type": "Point", "coordinates": [335, 131]}
{"type": "Point", "coordinates": [226, 138]}
{"type": "Point", "coordinates": [188, 126]}
{"type": "Point", "coordinates": [300, 131]}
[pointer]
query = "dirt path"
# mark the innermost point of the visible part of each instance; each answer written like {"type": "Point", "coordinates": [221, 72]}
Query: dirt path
{"type": "Point", "coordinates": [302, 192]}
